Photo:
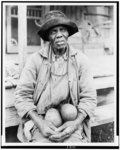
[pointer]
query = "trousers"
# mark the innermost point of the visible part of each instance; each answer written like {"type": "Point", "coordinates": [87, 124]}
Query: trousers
{"type": "Point", "coordinates": [77, 137]}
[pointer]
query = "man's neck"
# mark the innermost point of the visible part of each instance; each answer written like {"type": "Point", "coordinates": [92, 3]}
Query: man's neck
{"type": "Point", "coordinates": [59, 51]}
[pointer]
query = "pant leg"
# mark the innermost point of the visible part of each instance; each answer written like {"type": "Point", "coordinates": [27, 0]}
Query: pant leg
{"type": "Point", "coordinates": [38, 137]}
{"type": "Point", "coordinates": [77, 137]}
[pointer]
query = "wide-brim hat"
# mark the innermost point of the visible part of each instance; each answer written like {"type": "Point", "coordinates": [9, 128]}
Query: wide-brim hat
{"type": "Point", "coordinates": [56, 18]}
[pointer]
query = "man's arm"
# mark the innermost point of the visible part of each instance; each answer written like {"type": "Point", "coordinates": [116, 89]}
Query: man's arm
{"type": "Point", "coordinates": [87, 95]}
{"type": "Point", "coordinates": [45, 127]}
{"type": "Point", "coordinates": [25, 88]}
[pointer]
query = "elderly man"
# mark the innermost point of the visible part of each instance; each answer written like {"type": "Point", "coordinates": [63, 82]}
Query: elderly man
{"type": "Point", "coordinates": [56, 74]}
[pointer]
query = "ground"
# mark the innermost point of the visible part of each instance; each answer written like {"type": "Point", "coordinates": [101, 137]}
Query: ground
{"type": "Point", "coordinates": [103, 133]}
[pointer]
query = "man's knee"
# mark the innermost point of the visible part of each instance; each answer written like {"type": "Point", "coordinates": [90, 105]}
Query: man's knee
{"type": "Point", "coordinates": [76, 138]}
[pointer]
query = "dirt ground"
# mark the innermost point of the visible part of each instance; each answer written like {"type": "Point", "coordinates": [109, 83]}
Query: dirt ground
{"type": "Point", "coordinates": [103, 133]}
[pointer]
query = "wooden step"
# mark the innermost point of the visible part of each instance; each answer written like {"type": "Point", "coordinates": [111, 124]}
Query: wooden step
{"type": "Point", "coordinates": [103, 114]}
{"type": "Point", "coordinates": [11, 117]}
{"type": "Point", "coordinates": [104, 82]}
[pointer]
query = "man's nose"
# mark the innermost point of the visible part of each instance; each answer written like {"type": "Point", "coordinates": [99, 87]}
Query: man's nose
{"type": "Point", "coordinates": [59, 34]}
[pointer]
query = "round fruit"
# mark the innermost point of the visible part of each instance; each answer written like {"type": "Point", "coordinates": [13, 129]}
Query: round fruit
{"type": "Point", "coordinates": [53, 116]}
{"type": "Point", "coordinates": [68, 112]}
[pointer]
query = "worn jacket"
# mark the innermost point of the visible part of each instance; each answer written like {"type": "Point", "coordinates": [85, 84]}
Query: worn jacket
{"type": "Point", "coordinates": [35, 76]}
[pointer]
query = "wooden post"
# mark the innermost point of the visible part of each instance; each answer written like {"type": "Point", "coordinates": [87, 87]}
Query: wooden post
{"type": "Point", "coordinates": [47, 8]}
{"type": "Point", "coordinates": [8, 27]}
{"type": "Point", "coordinates": [68, 10]}
{"type": "Point", "coordinates": [22, 35]}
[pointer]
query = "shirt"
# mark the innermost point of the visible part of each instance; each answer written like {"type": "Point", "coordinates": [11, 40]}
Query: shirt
{"type": "Point", "coordinates": [57, 89]}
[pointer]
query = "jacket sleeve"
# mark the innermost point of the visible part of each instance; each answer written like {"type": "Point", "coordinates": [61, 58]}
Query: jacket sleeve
{"type": "Point", "coordinates": [87, 92]}
{"type": "Point", "coordinates": [25, 88]}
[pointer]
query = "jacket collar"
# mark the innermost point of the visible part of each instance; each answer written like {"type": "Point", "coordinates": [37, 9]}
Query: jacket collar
{"type": "Point", "coordinates": [44, 52]}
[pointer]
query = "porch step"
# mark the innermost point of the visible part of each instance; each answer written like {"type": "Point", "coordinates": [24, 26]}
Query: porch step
{"type": "Point", "coordinates": [103, 114]}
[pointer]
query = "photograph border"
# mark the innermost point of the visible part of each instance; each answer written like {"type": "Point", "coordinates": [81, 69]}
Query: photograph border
{"type": "Point", "coordinates": [117, 78]}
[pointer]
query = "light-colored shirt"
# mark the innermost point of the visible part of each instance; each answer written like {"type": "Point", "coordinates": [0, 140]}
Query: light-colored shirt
{"type": "Point", "coordinates": [57, 89]}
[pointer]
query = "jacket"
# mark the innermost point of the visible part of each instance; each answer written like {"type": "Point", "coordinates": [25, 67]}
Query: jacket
{"type": "Point", "coordinates": [35, 76]}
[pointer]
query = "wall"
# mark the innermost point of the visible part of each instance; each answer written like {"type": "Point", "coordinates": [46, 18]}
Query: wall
{"type": "Point", "coordinates": [88, 38]}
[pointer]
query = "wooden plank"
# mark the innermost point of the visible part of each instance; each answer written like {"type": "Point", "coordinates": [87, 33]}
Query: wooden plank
{"type": "Point", "coordinates": [9, 98]}
{"type": "Point", "coordinates": [68, 11]}
{"type": "Point", "coordinates": [103, 114]}
{"type": "Point", "coordinates": [46, 9]}
{"type": "Point", "coordinates": [104, 82]}
{"type": "Point", "coordinates": [99, 83]}
{"type": "Point", "coordinates": [105, 96]}
{"type": "Point", "coordinates": [11, 117]}
{"type": "Point", "coordinates": [8, 24]}
{"type": "Point", "coordinates": [78, 13]}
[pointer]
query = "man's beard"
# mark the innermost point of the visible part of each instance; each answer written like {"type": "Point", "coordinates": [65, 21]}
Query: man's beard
{"type": "Point", "coordinates": [59, 50]}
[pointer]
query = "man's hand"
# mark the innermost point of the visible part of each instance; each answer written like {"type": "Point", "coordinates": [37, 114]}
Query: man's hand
{"type": "Point", "coordinates": [65, 131]}
{"type": "Point", "coordinates": [47, 128]}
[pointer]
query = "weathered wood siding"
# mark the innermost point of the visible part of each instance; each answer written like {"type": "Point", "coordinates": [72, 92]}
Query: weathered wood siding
{"type": "Point", "coordinates": [97, 16]}
{"type": "Point", "coordinates": [73, 12]}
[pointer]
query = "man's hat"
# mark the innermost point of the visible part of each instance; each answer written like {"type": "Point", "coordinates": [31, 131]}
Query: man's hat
{"type": "Point", "coordinates": [55, 18]}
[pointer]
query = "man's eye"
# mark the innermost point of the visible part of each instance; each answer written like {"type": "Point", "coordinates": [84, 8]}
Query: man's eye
{"type": "Point", "coordinates": [53, 32]}
{"type": "Point", "coordinates": [63, 29]}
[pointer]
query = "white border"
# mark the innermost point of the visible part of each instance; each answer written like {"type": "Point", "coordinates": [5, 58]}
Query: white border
{"type": "Point", "coordinates": [3, 73]}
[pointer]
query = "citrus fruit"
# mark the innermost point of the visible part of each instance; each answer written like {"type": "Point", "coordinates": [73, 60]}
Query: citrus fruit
{"type": "Point", "coordinates": [53, 116]}
{"type": "Point", "coordinates": [68, 112]}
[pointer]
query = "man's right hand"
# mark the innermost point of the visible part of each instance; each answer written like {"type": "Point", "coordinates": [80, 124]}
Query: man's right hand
{"type": "Point", "coordinates": [46, 127]}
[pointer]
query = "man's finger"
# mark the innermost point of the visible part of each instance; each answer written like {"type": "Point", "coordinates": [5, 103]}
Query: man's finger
{"type": "Point", "coordinates": [53, 127]}
{"type": "Point", "coordinates": [59, 135]}
{"type": "Point", "coordinates": [66, 133]}
{"type": "Point", "coordinates": [61, 128]}
{"type": "Point", "coordinates": [51, 132]}
{"type": "Point", "coordinates": [68, 130]}
{"type": "Point", "coordinates": [58, 138]}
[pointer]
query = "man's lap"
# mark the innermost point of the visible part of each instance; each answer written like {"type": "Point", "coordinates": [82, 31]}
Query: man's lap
{"type": "Point", "coordinates": [77, 137]}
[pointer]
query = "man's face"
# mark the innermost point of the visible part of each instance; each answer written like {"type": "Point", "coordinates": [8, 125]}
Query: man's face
{"type": "Point", "coordinates": [58, 37]}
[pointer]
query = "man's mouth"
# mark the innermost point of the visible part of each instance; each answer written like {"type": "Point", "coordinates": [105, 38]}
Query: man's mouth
{"type": "Point", "coordinates": [60, 42]}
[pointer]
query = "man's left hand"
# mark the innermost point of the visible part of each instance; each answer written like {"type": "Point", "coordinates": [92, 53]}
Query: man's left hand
{"type": "Point", "coordinates": [65, 131]}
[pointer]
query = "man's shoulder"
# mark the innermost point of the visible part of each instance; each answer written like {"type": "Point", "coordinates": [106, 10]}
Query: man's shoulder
{"type": "Point", "coordinates": [79, 54]}
{"type": "Point", "coordinates": [36, 55]}
{"type": "Point", "coordinates": [34, 59]}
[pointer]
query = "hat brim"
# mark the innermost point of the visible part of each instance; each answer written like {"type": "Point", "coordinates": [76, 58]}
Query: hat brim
{"type": "Point", "coordinates": [70, 25]}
